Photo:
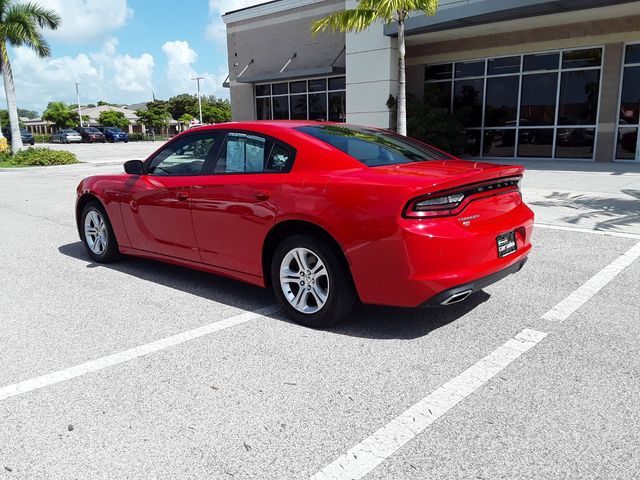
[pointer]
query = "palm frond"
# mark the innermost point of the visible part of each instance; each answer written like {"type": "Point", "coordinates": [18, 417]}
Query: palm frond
{"type": "Point", "coordinates": [20, 27]}
{"type": "Point", "coordinates": [43, 17]}
{"type": "Point", "coordinates": [356, 19]}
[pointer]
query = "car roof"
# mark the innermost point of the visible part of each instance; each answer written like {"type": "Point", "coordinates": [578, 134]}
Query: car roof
{"type": "Point", "coordinates": [281, 124]}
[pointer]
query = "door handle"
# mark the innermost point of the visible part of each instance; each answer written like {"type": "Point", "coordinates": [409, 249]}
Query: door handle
{"type": "Point", "coordinates": [263, 194]}
{"type": "Point", "coordinates": [182, 195]}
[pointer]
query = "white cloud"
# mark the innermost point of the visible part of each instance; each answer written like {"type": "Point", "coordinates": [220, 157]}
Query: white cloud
{"type": "Point", "coordinates": [104, 75]}
{"type": "Point", "coordinates": [216, 29]}
{"type": "Point", "coordinates": [87, 19]}
{"type": "Point", "coordinates": [180, 71]}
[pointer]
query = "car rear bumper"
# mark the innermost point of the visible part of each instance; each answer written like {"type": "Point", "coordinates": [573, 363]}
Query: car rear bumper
{"type": "Point", "coordinates": [427, 261]}
{"type": "Point", "coordinates": [461, 292]}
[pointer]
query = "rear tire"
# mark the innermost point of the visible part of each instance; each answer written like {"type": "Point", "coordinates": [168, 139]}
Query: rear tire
{"type": "Point", "coordinates": [311, 283]}
{"type": "Point", "coordinates": [97, 234]}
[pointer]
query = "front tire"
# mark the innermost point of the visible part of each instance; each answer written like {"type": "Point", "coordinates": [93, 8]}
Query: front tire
{"type": "Point", "coordinates": [97, 234]}
{"type": "Point", "coordinates": [311, 283]}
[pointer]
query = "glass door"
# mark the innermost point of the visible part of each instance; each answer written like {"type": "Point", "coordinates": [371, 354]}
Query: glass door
{"type": "Point", "coordinates": [628, 142]}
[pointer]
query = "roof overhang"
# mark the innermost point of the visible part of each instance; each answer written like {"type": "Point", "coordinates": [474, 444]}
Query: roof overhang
{"type": "Point", "coordinates": [455, 14]}
{"type": "Point", "coordinates": [292, 74]}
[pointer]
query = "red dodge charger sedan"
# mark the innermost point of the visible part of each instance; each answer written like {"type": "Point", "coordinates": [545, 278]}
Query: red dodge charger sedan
{"type": "Point", "coordinates": [325, 214]}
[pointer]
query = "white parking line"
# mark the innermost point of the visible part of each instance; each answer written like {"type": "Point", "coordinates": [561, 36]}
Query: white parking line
{"type": "Point", "coordinates": [592, 286]}
{"type": "Point", "coordinates": [588, 230]}
{"type": "Point", "coordinates": [372, 451]}
{"type": "Point", "coordinates": [131, 354]}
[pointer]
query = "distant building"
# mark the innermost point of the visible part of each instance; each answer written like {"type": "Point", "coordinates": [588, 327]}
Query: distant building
{"type": "Point", "coordinates": [547, 79]}
{"type": "Point", "coordinates": [39, 126]}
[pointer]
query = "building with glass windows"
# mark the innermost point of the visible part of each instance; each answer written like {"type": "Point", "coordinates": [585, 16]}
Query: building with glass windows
{"type": "Point", "coordinates": [542, 79]}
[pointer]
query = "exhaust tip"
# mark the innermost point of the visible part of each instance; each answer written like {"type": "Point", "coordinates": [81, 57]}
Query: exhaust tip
{"type": "Point", "coordinates": [457, 297]}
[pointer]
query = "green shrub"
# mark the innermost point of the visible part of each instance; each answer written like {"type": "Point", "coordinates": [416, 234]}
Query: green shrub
{"type": "Point", "coordinates": [38, 157]}
{"type": "Point", "coordinates": [146, 137]}
{"type": "Point", "coordinates": [40, 138]}
{"type": "Point", "coordinates": [434, 124]}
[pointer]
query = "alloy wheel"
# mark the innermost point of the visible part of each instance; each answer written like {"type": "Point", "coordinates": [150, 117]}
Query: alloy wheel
{"type": "Point", "coordinates": [95, 232]}
{"type": "Point", "coordinates": [304, 280]}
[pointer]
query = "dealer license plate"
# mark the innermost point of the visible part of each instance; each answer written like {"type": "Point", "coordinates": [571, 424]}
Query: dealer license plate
{"type": "Point", "coordinates": [506, 244]}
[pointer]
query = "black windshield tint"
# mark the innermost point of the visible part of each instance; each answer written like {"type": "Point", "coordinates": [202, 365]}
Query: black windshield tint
{"type": "Point", "coordinates": [373, 147]}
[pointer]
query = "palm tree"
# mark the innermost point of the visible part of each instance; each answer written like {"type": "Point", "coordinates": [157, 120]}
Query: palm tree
{"type": "Point", "coordinates": [20, 25]}
{"type": "Point", "coordinates": [366, 13]}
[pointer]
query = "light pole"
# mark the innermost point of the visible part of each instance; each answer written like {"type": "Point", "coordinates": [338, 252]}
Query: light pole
{"type": "Point", "coordinates": [79, 109]}
{"type": "Point", "coordinates": [197, 79]}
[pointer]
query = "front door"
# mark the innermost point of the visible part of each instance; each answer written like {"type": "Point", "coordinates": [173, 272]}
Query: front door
{"type": "Point", "coordinates": [157, 205]}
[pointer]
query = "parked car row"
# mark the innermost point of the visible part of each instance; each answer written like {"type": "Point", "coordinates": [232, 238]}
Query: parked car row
{"type": "Point", "coordinates": [90, 135]}
{"type": "Point", "coordinates": [26, 136]}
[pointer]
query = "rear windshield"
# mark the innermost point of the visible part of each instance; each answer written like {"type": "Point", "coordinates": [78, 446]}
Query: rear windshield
{"type": "Point", "coordinates": [373, 147]}
{"type": "Point", "coordinates": [91, 130]}
{"type": "Point", "coordinates": [113, 130]}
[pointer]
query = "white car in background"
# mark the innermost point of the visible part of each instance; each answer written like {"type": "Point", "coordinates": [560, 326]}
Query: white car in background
{"type": "Point", "coordinates": [66, 136]}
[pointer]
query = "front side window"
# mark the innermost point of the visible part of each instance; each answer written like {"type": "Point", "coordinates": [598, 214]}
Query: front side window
{"type": "Point", "coordinates": [185, 156]}
{"type": "Point", "coordinates": [372, 147]}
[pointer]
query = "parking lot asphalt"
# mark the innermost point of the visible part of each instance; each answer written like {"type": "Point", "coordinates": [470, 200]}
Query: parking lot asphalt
{"type": "Point", "coordinates": [264, 398]}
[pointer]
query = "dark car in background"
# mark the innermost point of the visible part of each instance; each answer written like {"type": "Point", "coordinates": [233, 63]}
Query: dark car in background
{"type": "Point", "coordinates": [90, 134]}
{"type": "Point", "coordinates": [26, 136]}
{"type": "Point", "coordinates": [114, 134]}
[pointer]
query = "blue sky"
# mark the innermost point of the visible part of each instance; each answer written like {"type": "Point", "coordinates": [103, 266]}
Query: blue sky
{"type": "Point", "coordinates": [122, 50]}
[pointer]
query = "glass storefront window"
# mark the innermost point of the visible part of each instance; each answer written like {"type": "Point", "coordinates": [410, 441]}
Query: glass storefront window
{"type": "Point", "coordinates": [281, 108]}
{"type": "Point", "coordinates": [575, 142]}
{"type": "Point", "coordinates": [467, 101]}
{"type": "Point", "coordinates": [499, 143]}
{"type": "Point", "coordinates": [263, 108]}
{"type": "Point", "coordinates": [541, 61]}
{"type": "Point", "coordinates": [311, 99]}
{"type": "Point", "coordinates": [585, 57]}
{"type": "Point", "coordinates": [632, 54]}
{"type": "Point", "coordinates": [627, 146]}
{"type": "Point", "coordinates": [298, 87]}
{"type": "Point", "coordinates": [540, 105]}
{"type": "Point", "coordinates": [627, 142]}
{"type": "Point", "coordinates": [337, 107]}
{"type": "Point", "coordinates": [579, 97]}
{"type": "Point", "coordinates": [439, 72]}
{"type": "Point", "coordinates": [538, 99]}
{"type": "Point", "coordinates": [318, 106]}
{"type": "Point", "coordinates": [298, 106]}
{"type": "Point", "coordinates": [503, 65]}
{"type": "Point", "coordinates": [501, 106]}
{"type": "Point", "coordinates": [470, 69]}
{"type": "Point", "coordinates": [535, 142]}
{"type": "Point", "coordinates": [630, 99]}
{"type": "Point", "coordinates": [337, 83]}
{"type": "Point", "coordinates": [280, 88]}
{"type": "Point", "coordinates": [318, 85]}
{"type": "Point", "coordinates": [438, 95]}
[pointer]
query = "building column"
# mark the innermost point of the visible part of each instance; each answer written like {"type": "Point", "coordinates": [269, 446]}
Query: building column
{"type": "Point", "coordinates": [372, 75]}
{"type": "Point", "coordinates": [609, 90]}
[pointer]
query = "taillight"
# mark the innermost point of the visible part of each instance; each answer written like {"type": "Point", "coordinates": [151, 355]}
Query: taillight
{"type": "Point", "coordinates": [451, 202]}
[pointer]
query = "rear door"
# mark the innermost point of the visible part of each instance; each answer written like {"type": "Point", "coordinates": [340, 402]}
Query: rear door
{"type": "Point", "coordinates": [235, 204]}
{"type": "Point", "coordinates": [157, 206]}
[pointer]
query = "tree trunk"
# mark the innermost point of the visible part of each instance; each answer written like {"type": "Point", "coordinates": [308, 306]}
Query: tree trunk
{"type": "Point", "coordinates": [16, 139]}
{"type": "Point", "coordinates": [402, 82]}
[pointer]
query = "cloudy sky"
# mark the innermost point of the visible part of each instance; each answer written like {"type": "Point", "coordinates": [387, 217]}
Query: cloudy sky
{"type": "Point", "coordinates": [122, 50]}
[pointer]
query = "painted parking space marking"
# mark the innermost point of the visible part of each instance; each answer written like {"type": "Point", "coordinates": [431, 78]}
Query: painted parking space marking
{"type": "Point", "coordinates": [592, 286]}
{"type": "Point", "coordinates": [130, 354]}
{"type": "Point", "coordinates": [605, 233]}
{"type": "Point", "coordinates": [372, 451]}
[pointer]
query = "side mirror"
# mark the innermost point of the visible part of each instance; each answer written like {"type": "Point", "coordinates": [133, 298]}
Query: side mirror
{"type": "Point", "coordinates": [134, 167]}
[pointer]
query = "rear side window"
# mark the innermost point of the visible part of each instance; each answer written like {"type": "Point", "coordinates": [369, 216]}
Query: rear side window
{"type": "Point", "coordinates": [373, 147]}
{"type": "Point", "coordinates": [247, 153]}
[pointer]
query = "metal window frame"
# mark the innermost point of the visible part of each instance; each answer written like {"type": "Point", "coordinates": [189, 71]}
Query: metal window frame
{"type": "Point", "coordinates": [271, 96]}
{"type": "Point", "coordinates": [555, 127]}
{"type": "Point", "coordinates": [623, 65]}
